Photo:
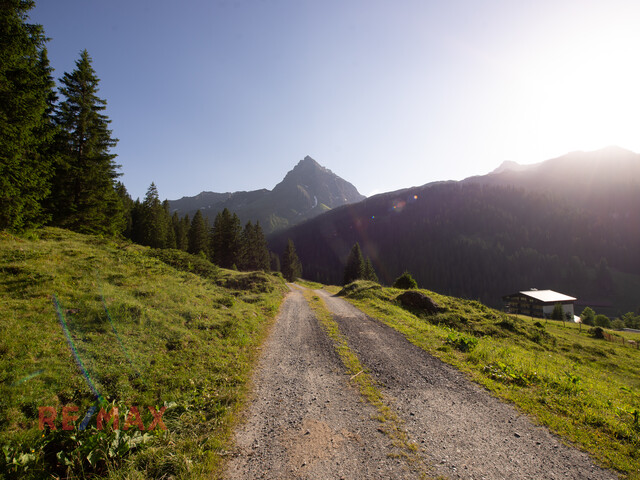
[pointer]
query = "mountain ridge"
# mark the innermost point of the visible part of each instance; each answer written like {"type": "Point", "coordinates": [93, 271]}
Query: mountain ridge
{"type": "Point", "coordinates": [306, 191]}
{"type": "Point", "coordinates": [571, 172]}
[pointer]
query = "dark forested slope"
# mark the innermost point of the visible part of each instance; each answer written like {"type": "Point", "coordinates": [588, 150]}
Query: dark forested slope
{"type": "Point", "coordinates": [483, 241]}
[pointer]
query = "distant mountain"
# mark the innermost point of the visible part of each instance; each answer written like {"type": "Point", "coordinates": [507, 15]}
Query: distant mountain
{"type": "Point", "coordinates": [577, 175]}
{"type": "Point", "coordinates": [305, 192]}
{"type": "Point", "coordinates": [570, 224]}
{"type": "Point", "coordinates": [511, 166]}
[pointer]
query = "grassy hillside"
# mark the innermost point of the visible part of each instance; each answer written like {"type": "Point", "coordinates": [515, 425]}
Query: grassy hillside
{"type": "Point", "coordinates": [584, 388]}
{"type": "Point", "coordinates": [87, 321]}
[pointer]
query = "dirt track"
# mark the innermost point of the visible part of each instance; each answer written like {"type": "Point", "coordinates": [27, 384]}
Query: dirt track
{"type": "Point", "coordinates": [305, 421]}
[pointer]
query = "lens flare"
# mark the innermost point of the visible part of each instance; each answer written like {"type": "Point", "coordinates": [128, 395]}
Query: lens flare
{"type": "Point", "coordinates": [74, 351]}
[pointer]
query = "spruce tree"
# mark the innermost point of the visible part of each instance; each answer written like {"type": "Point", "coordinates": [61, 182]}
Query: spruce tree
{"type": "Point", "coordinates": [291, 266]}
{"type": "Point", "coordinates": [354, 269]}
{"type": "Point", "coordinates": [261, 250]}
{"type": "Point", "coordinates": [155, 220]}
{"type": "Point", "coordinates": [127, 209]}
{"type": "Point", "coordinates": [137, 222]}
{"type": "Point", "coordinates": [275, 262]}
{"type": "Point", "coordinates": [83, 195]}
{"type": "Point", "coordinates": [186, 225]}
{"type": "Point", "coordinates": [170, 236]}
{"type": "Point", "coordinates": [198, 235]}
{"type": "Point", "coordinates": [181, 230]}
{"type": "Point", "coordinates": [244, 257]}
{"type": "Point", "coordinates": [225, 239]}
{"type": "Point", "coordinates": [369, 272]}
{"type": "Point", "coordinates": [26, 129]}
{"type": "Point", "coordinates": [254, 254]}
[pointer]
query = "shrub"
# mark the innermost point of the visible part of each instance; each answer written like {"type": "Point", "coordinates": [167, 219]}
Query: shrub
{"type": "Point", "coordinates": [588, 316]}
{"type": "Point", "coordinates": [617, 324]}
{"type": "Point", "coordinates": [596, 332]}
{"type": "Point", "coordinates": [405, 282]}
{"type": "Point", "coordinates": [602, 321]}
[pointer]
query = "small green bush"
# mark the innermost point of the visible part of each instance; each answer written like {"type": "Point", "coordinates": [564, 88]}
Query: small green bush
{"type": "Point", "coordinates": [617, 324]}
{"type": "Point", "coordinates": [405, 282]}
{"type": "Point", "coordinates": [602, 321]}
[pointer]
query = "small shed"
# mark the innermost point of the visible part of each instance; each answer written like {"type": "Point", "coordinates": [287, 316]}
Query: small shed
{"type": "Point", "coordinates": [539, 303]}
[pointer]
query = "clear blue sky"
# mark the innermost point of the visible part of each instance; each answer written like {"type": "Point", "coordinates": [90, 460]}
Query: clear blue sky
{"type": "Point", "coordinates": [230, 95]}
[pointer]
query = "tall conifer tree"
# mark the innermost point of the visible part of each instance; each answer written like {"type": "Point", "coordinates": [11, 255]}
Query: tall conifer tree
{"type": "Point", "coordinates": [26, 97]}
{"type": "Point", "coordinates": [127, 209]}
{"type": "Point", "coordinates": [155, 221]}
{"type": "Point", "coordinates": [84, 196]}
{"type": "Point", "coordinates": [275, 262]}
{"type": "Point", "coordinates": [186, 225]}
{"type": "Point", "coordinates": [355, 268]}
{"type": "Point", "coordinates": [369, 272]}
{"type": "Point", "coordinates": [170, 233]}
{"type": "Point", "coordinates": [254, 254]}
{"type": "Point", "coordinates": [225, 239]}
{"type": "Point", "coordinates": [291, 266]}
{"type": "Point", "coordinates": [181, 230]}
{"type": "Point", "coordinates": [261, 250]}
{"type": "Point", "coordinates": [198, 235]}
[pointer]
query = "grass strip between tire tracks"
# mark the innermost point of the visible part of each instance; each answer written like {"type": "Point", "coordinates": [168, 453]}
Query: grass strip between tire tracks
{"type": "Point", "coordinates": [391, 423]}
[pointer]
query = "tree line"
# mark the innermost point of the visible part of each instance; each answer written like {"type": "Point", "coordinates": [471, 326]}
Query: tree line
{"type": "Point", "coordinates": [56, 165]}
{"type": "Point", "coordinates": [225, 243]}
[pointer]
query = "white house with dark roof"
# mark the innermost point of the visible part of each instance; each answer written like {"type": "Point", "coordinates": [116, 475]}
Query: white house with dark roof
{"type": "Point", "coordinates": [539, 303]}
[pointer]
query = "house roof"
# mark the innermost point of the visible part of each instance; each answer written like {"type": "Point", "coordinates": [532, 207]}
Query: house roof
{"type": "Point", "coordinates": [548, 296]}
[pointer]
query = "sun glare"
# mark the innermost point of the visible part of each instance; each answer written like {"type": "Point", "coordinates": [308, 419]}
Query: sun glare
{"type": "Point", "coordinates": [582, 93]}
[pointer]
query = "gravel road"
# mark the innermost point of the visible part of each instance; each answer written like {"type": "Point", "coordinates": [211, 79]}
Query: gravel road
{"type": "Point", "coordinates": [306, 421]}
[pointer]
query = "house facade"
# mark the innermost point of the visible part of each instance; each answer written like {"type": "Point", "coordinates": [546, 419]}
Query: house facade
{"type": "Point", "coordinates": [539, 303]}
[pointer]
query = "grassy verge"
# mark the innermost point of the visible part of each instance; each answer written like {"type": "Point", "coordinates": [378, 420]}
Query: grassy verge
{"type": "Point", "coordinates": [585, 389]}
{"type": "Point", "coordinates": [391, 423]}
{"type": "Point", "coordinates": [143, 328]}
{"type": "Point", "coordinates": [309, 284]}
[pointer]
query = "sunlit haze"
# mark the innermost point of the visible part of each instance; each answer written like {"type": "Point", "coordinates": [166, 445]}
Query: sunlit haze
{"type": "Point", "coordinates": [230, 95]}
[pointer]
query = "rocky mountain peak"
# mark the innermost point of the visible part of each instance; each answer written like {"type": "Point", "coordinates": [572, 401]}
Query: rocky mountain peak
{"type": "Point", "coordinates": [307, 190]}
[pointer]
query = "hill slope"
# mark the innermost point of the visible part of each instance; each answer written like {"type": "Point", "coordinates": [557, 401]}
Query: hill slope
{"type": "Point", "coordinates": [476, 240]}
{"type": "Point", "coordinates": [308, 190]}
{"type": "Point", "coordinates": [130, 330]}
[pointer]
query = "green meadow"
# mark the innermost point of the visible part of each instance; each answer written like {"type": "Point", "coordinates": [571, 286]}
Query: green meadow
{"type": "Point", "coordinates": [584, 388]}
{"type": "Point", "coordinates": [99, 323]}
{"type": "Point", "coordinates": [87, 321]}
